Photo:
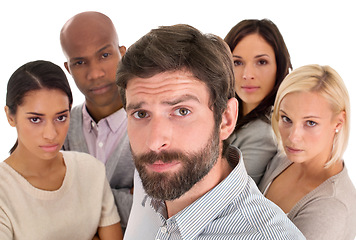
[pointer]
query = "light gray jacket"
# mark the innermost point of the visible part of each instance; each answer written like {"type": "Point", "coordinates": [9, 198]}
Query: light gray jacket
{"type": "Point", "coordinates": [257, 144]}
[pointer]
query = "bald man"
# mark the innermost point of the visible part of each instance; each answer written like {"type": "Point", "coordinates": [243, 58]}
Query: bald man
{"type": "Point", "coordinates": [99, 126]}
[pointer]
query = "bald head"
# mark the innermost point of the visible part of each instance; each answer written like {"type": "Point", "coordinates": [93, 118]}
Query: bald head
{"type": "Point", "coordinates": [84, 28]}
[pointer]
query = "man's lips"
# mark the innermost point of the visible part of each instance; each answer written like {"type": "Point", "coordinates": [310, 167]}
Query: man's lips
{"type": "Point", "coordinates": [160, 166]}
{"type": "Point", "coordinates": [100, 89]}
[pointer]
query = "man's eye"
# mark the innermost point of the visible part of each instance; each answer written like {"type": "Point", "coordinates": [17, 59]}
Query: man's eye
{"type": "Point", "coordinates": [105, 55]}
{"type": "Point", "coordinates": [182, 112]}
{"type": "Point", "coordinates": [140, 114]}
{"type": "Point", "coordinates": [78, 63]}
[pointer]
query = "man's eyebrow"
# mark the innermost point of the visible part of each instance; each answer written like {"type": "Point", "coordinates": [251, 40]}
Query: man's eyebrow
{"type": "Point", "coordinates": [184, 98]}
{"type": "Point", "coordinates": [103, 48]}
{"type": "Point", "coordinates": [133, 106]}
{"type": "Point", "coordinates": [97, 52]}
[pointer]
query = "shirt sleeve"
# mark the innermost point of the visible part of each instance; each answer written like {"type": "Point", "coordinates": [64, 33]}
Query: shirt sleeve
{"type": "Point", "coordinates": [323, 219]}
{"type": "Point", "coordinates": [109, 213]}
{"type": "Point", "coordinates": [5, 226]}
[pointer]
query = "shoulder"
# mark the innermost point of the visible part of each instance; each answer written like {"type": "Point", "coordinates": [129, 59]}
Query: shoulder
{"type": "Point", "coordinates": [83, 162]}
{"type": "Point", "coordinates": [76, 113]}
{"type": "Point", "coordinates": [77, 108]}
{"type": "Point", "coordinates": [322, 218]}
{"type": "Point", "coordinates": [264, 216]}
{"type": "Point", "coordinates": [335, 198]}
{"type": "Point", "coordinates": [256, 129]}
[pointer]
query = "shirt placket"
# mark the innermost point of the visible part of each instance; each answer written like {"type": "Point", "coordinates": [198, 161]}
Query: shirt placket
{"type": "Point", "coordinates": [168, 231]}
{"type": "Point", "coordinates": [101, 142]}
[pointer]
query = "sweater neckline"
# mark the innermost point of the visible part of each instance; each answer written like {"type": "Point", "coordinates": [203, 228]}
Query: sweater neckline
{"type": "Point", "coordinates": [40, 193]}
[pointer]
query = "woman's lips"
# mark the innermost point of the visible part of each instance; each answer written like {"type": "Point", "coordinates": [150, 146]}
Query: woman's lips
{"type": "Point", "coordinates": [249, 89]}
{"type": "Point", "coordinates": [293, 150]}
{"type": "Point", "coordinates": [50, 148]}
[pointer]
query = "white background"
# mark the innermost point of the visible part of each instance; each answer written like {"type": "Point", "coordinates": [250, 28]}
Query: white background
{"type": "Point", "coordinates": [318, 31]}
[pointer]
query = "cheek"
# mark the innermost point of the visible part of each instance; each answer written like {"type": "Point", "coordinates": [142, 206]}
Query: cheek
{"type": "Point", "coordinates": [270, 80]}
{"type": "Point", "coordinates": [135, 136]}
{"type": "Point", "coordinates": [284, 133]}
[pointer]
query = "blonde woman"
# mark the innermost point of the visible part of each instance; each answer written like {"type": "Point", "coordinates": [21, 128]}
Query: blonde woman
{"type": "Point", "coordinates": [309, 180]}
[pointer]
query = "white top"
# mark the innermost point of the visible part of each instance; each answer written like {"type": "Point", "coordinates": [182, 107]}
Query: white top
{"type": "Point", "coordinates": [74, 211]}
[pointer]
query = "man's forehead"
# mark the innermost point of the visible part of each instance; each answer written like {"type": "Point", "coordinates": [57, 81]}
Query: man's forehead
{"type": "Point", "coordinates": [173, 79]}
{"type": "Point", "coordinates": [166, 88]}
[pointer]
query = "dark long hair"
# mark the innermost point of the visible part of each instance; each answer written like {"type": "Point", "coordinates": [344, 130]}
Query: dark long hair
{"type": "Point", "coordinates": [270, 33]}
{"type": "Point", "coordinates": [33, 76]}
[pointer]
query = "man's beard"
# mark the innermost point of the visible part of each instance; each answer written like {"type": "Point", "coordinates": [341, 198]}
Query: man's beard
{"type": "Point", "coordinates": [194, 166]}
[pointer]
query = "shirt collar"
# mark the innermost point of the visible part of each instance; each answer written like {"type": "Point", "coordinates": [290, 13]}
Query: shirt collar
{"type": "Point", "coordinates": [113, 121]}
{"type": "Point", "coordinates": [208, 207]}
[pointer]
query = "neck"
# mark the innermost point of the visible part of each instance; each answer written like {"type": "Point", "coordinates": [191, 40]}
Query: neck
{"type": "Point", "coordinates": [100, 112]}
{"type": "Point", "coordinates": [315, 172]}
{"type": "Point", "coordinates": [247, 108]}
{"type": "Point", "coordinates": [28, 166]}
{"type": "Point", "coordinates": [217, 174]}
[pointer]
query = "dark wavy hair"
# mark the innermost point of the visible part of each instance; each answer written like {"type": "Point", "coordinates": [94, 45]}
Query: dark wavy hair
{"type": "Point", "coordinates": [270, 33]}
{"type": "Point", "coordinates": [33, 76]}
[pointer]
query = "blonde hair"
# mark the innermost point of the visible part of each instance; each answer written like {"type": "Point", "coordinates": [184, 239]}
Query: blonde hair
{"type": "Point", "coordinates": [325, 81]}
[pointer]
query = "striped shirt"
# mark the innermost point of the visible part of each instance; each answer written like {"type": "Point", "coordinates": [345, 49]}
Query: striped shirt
{"type": "Point", "coordinates": [234, 209]}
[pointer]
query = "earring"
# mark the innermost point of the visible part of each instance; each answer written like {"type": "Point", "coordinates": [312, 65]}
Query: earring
{"type": "Point", "coordinates": [337, 130]}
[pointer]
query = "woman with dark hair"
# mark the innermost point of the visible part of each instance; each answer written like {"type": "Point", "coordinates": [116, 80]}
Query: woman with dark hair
{"type": "Point", "coordinates": [261, 61]}
{"type": "Point", "coordinates": [46, 193]}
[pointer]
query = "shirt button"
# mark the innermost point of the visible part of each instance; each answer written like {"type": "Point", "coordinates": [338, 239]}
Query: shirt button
{"type": "Point", "coordinates": [101, 144]}
{"type": "Point", "coordinates": [163, 229]}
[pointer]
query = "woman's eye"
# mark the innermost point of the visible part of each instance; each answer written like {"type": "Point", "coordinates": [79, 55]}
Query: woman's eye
{"type": "Point", "coordinates": [140, 114]}
{"type": "Point", "coordinates": [237, 63]}
{"type": "Point", "coordinates": [311, 123]}
{"type": "Point", "coordinates": [182, 111]}
{"type": "Point", "coordinates": [262, 62]}
{"type": "Point", "coordinates": [285, 119]}
{"type": "Point", "coordinates": [35, 119]}
{"type": "Point", "coordinates": [62, 118]}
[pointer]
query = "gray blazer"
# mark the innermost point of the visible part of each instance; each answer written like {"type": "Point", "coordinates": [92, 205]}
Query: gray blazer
{"type": "Point", "coordinates": [119, 167]}
{"type": "Point", "coordinates": [258, 147]}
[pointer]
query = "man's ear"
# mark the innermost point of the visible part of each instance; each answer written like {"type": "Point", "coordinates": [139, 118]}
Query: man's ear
{"type": "Point", "coordinates": [67, 67]}
{"type": "Point", "coordinates": [10, 117]}
{"type": "Point", "coordinates": [122, 50]}
{"type": "Point", "coordinates": [229, 118]}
